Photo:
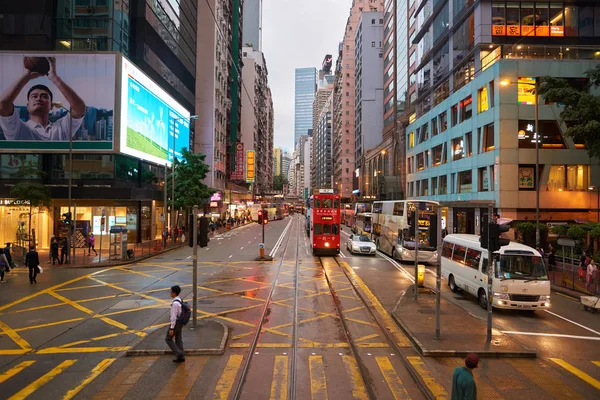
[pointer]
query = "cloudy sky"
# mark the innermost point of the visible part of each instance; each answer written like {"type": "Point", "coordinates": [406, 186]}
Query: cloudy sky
{"type": "Point", "coordinates": [298, 33]}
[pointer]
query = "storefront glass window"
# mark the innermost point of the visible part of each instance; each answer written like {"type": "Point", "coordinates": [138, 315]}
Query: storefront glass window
{"type": "Point", "coordinates": [498, 18]}
{"type": "Point", "coordinates": [10, 165]}
{"type": "Point", "coordinates": [568, 178]}
{"type": "Point", "coordinates": [527, 18]}
{"type": "Point", "coordinates": [550, 135]}
{"type": "Point", "coordinates": [571, 21]}
{"type": "Point", "coordinates": [542, 19]}
{"type": "Point", "coordinates": [513, 18]}
{"type": "Point", "coordinates": [14, 225]}
{"type": "Point", "coordinates": [557, 20]}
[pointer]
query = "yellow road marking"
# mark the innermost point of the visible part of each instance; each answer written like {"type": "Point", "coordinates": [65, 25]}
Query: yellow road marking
{"type": "Point", "coordinates": [367, 337]}
{"type": "Point", "coordinates": [15, 370]}
{"type": "Point", "coordinates": [22, 343]}
{"type": "Point", "coordinates": [14, 352]}
{"type": "Point", "coordinates": [183, 379]}
{"type": "Point", "coordinates": [540, 374]}
{"type": "Point", "coordinates": [227, 378]}
{"type": "Point", "coordinates": [118, 387]}
{"type": "Point", "coordinates": [577, 372]}
{"type": "Point", "coordinates": [318, 383]}
{"type": "Point", "coordinates": [32, 387]}
{"type": "Point", "coordinates": [372, 345]}
{"type": "Point", "coordinates": [436, 389]}
{"type": "Point", "coordinates": [94, 339]}
{"type": "Point", "coordinates": [71, 303]}
{"type": "Point", "coordinates": [358, 385]}
{"type": "Point", "coordinates": [138, 273]}
{"type": "Point", "coordinates": [110, 314]}
{"type": "Point", "coordinates": [279, 383]}
{"type": "Point", "coordinates": [60, 350]}
{"type": "Point", "coordinates": [400, 339]}
{"type": "Point", "coordinates": [27, 328]}
{"type": "Point", "coordinates": [79, 287]}
{"type": "Point", "coordinates": [98, 369]}
{"type": "Point", "coordinates": [261, 345]}
{"type": "Point", "coordinates": [142, 295]}
{"type": "Point", "coordinates": [392, 379]}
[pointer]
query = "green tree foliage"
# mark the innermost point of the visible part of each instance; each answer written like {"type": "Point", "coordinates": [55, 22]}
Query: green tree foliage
{"type": "Point", "coordinates": [560, 230]}
{"type": "Point", "coordinates": [575, 232]}
{"type": "Point", "coordinates": [190, 189]}
{"type": "Point", "coordinates": [30, 191]}
{"type": "Point", "coordinates": [279, 181]}
{"type": "Point", "coordinates": [581, 111]}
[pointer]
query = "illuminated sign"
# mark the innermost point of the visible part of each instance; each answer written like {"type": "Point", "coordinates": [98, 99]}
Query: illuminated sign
{"type": "Point", "coordinates": [250, 166]}
{"type": "Point", "coordinates": [326, 191]}
{"type": "Point", "coordinates": [424, 222]}
{"type": "Point", "coordinates": [528, 30]}
{"type": "Point", "coordinates": [216, 196]}
{"type": "Point", "coordinates": [526, 90]}
{"type": "Point", "coordinates": [238, 174]}
{"type": "Point", "coordinates": [214, 204]}
{"type": "Point", "coordinates": [327, 218]}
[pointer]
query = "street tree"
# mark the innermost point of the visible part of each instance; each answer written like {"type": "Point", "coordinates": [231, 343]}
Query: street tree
{"type": "Point", "coordinates": [581, 111]}
{"type": "Point", "coordinates": [279, 181]}
{"type": "Point", "coordinates": [30, 191]}
{"type": "Point", "coordinates": [190, 173]}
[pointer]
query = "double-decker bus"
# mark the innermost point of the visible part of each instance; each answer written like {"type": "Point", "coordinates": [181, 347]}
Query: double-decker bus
{"type": "Point", "coordinates": [393, 229]}
{"type": "Point", "coordinates": [362, 220]}
{"type": "Point", "coordinates": [324, 222]}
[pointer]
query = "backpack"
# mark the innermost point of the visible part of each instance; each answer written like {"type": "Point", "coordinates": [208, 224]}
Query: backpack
{"type": "Point", "coordinates": [186, 312]}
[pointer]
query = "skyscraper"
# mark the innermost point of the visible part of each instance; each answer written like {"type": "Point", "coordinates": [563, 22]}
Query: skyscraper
{"type": "Point", "coordinates": [252, 30]}
{"type": "Point", "coordinates": [306, 87]}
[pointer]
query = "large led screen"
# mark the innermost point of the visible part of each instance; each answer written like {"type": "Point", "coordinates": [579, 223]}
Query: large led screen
{"type": "Point", "coordinates": [150, 118]}
{"type": "Point", "coordinates": [45, 98]}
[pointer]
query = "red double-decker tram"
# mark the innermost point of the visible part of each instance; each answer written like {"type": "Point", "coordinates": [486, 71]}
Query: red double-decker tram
{"type": "Point", "coordinates": [325, 222]}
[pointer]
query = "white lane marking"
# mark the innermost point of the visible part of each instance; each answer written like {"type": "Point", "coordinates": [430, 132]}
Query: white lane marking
{"type": "Point", "coordinates": [206, 248]}
{"type": "Point", "coordinates": [231, 256]}
{"type": "Point", "coordinates": [397, 266]}
{"type": "Point", "coordinates": [558, 335]}
{"type": "Point", "coordinates": [342, 254]}
{"type": "Point", "coordinates": [250, 242]}
{"type": "Point", "coordinates": [189, 257]}
{"type": "Point", "coordinates": [345, 233]}
{"type": "Point", "coordinates": [242, 248]}
{"type": "Point", "coordinates": [280, 240]}
{"type": "Point", "coordinates": [573, 322]}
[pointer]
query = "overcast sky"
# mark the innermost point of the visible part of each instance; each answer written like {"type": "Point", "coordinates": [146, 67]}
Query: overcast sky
{"type": "Point", "coordinates": [296, 34]}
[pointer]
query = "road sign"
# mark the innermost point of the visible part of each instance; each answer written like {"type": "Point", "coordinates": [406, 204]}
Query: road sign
{"type": "Point", "coordinates": [261, 245]}
{"type": "Point", "coordinates": [566, 242]}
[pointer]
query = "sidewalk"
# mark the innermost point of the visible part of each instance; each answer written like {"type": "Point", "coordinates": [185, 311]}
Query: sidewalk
{"type": "Point", "coordinates": [462, 332]}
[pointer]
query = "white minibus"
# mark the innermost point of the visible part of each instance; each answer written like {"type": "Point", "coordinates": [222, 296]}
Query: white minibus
{"type": "Point", "coordinates": [520, 278]}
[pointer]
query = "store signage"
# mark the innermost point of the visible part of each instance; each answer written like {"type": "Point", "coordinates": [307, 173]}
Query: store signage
{"type": "Point", "coordinates": [216, 196]}
{"type": "Point", "coordinates": [327, 218]}
{"type": "Point", "coordinates": [214, 204]}
{"type": "Point", "coordinates": [250, 166]}
{"type": "Point", "coordinates": [528, 30]}
{"type": "Point", "coordinates": [424, 222]}
{"type": "Point", "coordinates": [238, 174]}
{"type": "Point", "coordinates": [526, 178]}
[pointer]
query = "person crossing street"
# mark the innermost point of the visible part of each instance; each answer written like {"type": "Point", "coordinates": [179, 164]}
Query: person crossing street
{"type": "Point", "coordinates": [174, 337]}
{"type": "Point", "coordinates": [32, 260]}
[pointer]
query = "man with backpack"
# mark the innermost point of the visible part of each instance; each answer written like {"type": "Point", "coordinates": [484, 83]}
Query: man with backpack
{"type": "Point", "coordinates": [180, 315]}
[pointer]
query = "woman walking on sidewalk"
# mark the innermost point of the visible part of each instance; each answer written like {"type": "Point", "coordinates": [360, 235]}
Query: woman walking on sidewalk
{"type": "Point", "coordinates": [91, 242]}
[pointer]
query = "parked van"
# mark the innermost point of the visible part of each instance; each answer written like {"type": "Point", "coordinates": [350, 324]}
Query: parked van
{"type": "Point", "coordinates": [520, 279]}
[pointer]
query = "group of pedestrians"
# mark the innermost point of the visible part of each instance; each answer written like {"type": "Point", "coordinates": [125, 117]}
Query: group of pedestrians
{"type": "Point", "coordinates": [589, 270]}
{"type": "Point", "coordinates": [7, 264]}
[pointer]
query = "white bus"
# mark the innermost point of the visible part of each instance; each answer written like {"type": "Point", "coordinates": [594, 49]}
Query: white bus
{"type": "Point", "coordinates": [392, 232]}
{"type": "Point", "coordinates": [520, 279]}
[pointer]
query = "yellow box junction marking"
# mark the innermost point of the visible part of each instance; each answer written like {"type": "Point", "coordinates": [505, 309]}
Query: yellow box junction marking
{"type": "Point", "coordinates": [436, 389]}
{"type": "Point", "coordinates": [358, 386]}
{"type": "Point", "coordinates": [22, 343]}
{"type": "Point", "coordinates": [318, 383]}
{"type": "Point", "coordinates": [98, 369]}
{"type": "Point", "coordinates": [118, 387]}
{"type": "Point", "coordinates": [279, 383]}
{"type": "Point", "coordinates": [577, 372]}
{"type": "Point", "coordinates": [392, 379]}
{"type": "Point", "coordinates": [182, 380]}
{"type": "Point", "coordinates": [227, 378]}
{"type": "Point", "coordinates": [15, 370]}
{"type": "Point", "coordinates": [38, 383]}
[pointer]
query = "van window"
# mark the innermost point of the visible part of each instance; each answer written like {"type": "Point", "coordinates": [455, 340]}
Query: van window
{"type": "Point", "coordinates": [459, 254]}
{"type": "Point", "coordinates": [473, 257]}
{"type": "Point", "coordinates": [484, 266]}
{"type": "Point", "coordinates": [377, 207]}
{"type": "Point", "coordinates": [399, 208]}
{"type": "Point", "coordinates": [318, 229]}
{"type": "Point", "coordinates": [447, 250]}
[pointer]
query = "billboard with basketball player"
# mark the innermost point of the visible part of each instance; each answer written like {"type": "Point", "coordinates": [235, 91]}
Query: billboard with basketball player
{"type": "Point", "coordinates": [47, 98]}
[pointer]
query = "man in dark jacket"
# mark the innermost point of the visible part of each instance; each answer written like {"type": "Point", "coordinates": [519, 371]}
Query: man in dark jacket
{"type": "Point", "coordinates": [32, 260]}
{"type": "Point", "coordinates": [64, 251]}
{"type": "Point", "coordinates": [463, 383]}
{"type": "Point", "coordinates": [11, 263]}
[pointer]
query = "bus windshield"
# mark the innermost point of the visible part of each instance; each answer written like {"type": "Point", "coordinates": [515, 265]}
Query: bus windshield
{"type": "Point", "coordinates": [525, 267]}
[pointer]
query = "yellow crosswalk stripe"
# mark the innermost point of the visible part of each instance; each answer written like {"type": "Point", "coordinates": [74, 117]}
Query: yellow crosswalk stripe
{"type": "Point", "coordinates": [32, 387]}
{"type": "Point", "coordinates": [22, 343]}
{"type": "Point", "coordinates": [392, 379]}
{"type": "Point", "coordinates": [597, 363]}
{"type": "Point", "coordinates": [279, 384]}
{"type": "Point", "coordinates": [15, 370]}
{"type": "Point", "coordinates": [577, 372]}
{"type": "Point", "coordinates": [227, 378]}
{"type": "Point", "coordinates": [118, 387]}
{"type": "Point", "coordinates": [183, 379]}
{"type": "Point", "coordinates": [318, 383]}
{"type": "Point", "coordinates": [541, 374]}
{"type": "Point", "coordinates": [98, 369]}
{"type": "Point", "coordinates": [436, 389]}
{"type": "Point", "coordinates": [358, 386]}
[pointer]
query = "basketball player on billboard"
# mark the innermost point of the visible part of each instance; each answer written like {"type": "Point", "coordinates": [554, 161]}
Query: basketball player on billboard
{"type": "Point", "coordinates": [39, 105]}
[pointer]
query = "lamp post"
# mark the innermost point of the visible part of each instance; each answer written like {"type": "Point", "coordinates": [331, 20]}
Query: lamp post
{"type": "Point", "coordinates": [192, 117]}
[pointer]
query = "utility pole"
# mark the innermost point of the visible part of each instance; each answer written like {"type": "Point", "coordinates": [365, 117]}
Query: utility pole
{"type": "Point", "coordinates": [537, 162]}
{"type": "Point", "coordinates": [491, 250]}
{"type": "Point", "coordinates": [415, 221]}
{"type": "Point", "coordinates": [173, 189]}
{"type": "Point", "coordinates": [438, 274]}
{"type": "Point", "coordinates": [70, 184]}
{"type": "Point", "coordinates": [195, 265]}
{"type": "Point", "coordinates": [166, 204]}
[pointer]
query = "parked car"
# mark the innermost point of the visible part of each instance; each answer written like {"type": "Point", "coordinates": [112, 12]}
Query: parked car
{"type": "Point", "coordinates": [361, 244]}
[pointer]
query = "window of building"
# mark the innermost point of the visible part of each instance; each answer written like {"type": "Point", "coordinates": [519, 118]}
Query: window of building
{"type": "Point", "coordinates": [458, 149]}
{"type": "Point", "coordinates": [453, 183]}
{"type": "Point", "coordinates": [372, 44]}
{"type": "Point", "coordinates": [443, 117]}
{"type": "Point", "coordinates": [542, 19]}
{"type": "Point", "coordinates": [465, 181]}
{"type": "Point", "coordinates": [409, 169]}
{"type": "Point", "coordinates": [421, 162]}
{"type": "Point", "coordinates": [468, 144]}
{"type": "Point", "coordinates": [436, 155]}
{"type": "Point", "coordinates": [491, 94]}
{"type": "Point", "coordinates": [558, 20]}
{"type": "Point", "coordinates": [464, 74]}
{"type": "Point", "coordinates": [498, 19]}
{"type": "Point", "coordinates": [434, 186]}
{"type": "Point", "coordinates": [417, 188]}
{"type": "Point", "coordinates": [483, 103]}
{"type": "Point", "coordinates": [527, 18]}
{"type": "Point", "coordinates": [434, 127]}
{"type": "Point", "coordinates": [464, 39]}
{"type": "Point", "coordinates": [487, 139]}
{"type": "Point", "coordinates": [425, 187]}
{"type": "Point", "coordinates": [411, 140]}
{"type": "Point", "coordinates": [513, 19]}
{"type": "Point", "coordinates": [454, 114]}
{"type": "Point", "coordinates": [568, 178]}
{"type": "Point", "coordinates": [550, 135]}
{"type": "Point", "coordinates": [424, 133]}
{"type": "Point", "coordinates": [483, 181]}
{"type": "Point", "coordinates": [443, 184]}
{"type": "Point", "coordinates": [466, 108]}
{"type": "Point", "coordinates": [492, 177]}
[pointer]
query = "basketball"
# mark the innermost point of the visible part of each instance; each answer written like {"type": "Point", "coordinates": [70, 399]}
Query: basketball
{"type": "Point", "coordinates": [37, 64]}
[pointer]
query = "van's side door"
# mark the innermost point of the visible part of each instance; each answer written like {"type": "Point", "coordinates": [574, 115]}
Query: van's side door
{"type": "Point", "coordinates": [472, 262]}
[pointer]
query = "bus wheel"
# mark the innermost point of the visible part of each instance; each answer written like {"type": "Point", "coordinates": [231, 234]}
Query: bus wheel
{"type": "Point", "coordinates": [395, 255]}
{"type": "Point", "coordinates": [452, 284]}
{"type": "Point", "coordinates": [483, 302]}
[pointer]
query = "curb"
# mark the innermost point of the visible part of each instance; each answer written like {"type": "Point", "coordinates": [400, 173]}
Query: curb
{"type": "Point", "coordinates": [460, 353]}
{"type": "Point", "coordinates": [192, 352]}
{"type": "Point", "coordinates": [566, 292]}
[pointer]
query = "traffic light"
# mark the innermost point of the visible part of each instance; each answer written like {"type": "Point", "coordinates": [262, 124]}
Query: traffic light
{"type": "Point", "coordinates": [433, 230]}
{"type": "Point", "coordinates": [203, 232]}
{"type": "Point", "coordinates": [260, 217]}
{"type": "Point", "coordinates": [495, 241]}
{"type": "Point", "coordinates": [483, 238]}
{"type": "Point", "coordinates": [265, 217]}
{"type": "Point", "coordinates": [67, 218]}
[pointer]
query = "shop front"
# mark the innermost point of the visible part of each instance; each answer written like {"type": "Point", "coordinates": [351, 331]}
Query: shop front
{"type": "Point", "coordinates": [14, 224]}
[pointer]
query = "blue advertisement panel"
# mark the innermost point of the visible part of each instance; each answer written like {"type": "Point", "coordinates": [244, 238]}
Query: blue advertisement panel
{"type": "Point", "coordinates": [153, 125]}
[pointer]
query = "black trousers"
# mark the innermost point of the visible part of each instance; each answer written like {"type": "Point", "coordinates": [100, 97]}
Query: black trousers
{"type": "Point", "coordinates": [175, 342]}
{"type": "Point", "coordinates": [33, 271]}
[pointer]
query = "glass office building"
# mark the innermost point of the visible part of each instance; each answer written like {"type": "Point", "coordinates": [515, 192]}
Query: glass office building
{"type": "Point", "coordinates": [305, 90]}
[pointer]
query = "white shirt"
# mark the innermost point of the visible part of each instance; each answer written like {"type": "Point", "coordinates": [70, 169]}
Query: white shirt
{"type": "Point", "coordinates": [175, 311]}
{"type": "Point", "coordinates": [15, 129]}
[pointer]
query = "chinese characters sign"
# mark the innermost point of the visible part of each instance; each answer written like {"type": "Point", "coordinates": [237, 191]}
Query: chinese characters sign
{"type": "Point", "coordinates": [250, 166]}
{"type": "Point", "coordinates": [528, 30]}
{"type": "Point", "coordinates": [238, 174]}
{"type": "Point", "coordinates": [526, 178]}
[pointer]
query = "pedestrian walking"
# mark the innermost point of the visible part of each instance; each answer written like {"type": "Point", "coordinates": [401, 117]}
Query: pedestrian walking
{"type": "Point", "coordinates": [463, 383]}
{"type": "Point", "coordinates": [54, 251]}
{"type": "Point", "coordinates": [174, 337]}
{"type": "Point", "coordinates": [592, 269]}
{"type": "Point", "coordinates": [3, 265]}
{"type": "Point", "coordinates": [64, 251]}
{"type": "Point", "coordinates": [11, 263]}
{"type": "Point", "coordinates": [32, 260]}
{"type": "Point", "coordinates": [552, 259]}
{"type": "Point", "coordinates": [91, 242]}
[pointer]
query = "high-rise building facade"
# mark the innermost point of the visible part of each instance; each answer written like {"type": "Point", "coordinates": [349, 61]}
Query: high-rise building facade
{"type": "Point", "coordinates": [323, 163]}
{"type": "Point", "coordinates": [304, 95]}
{"type": "Point", "coordinates": [344, 101]}
{"type": "Point", "coordinates": [277, 160]}
{"type": "Point", "coordinates": [252, 30]}
{"type": "Point", "coordinates": [322, 97]}
{"type": "Point", "coordinates": [471, 136]}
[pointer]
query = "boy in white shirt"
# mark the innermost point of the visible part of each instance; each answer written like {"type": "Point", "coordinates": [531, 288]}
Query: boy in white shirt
{"type": "Point", "coordinates": [175, 327]}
